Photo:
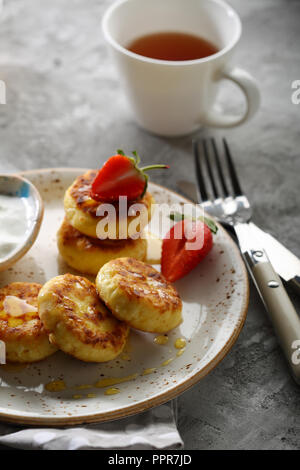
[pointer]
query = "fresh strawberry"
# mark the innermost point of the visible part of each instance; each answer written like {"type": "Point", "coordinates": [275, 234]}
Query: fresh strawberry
{"type": "Point", "coordinates": [178, 259]}
{"type": "Point", "coordinates": [121, 176]}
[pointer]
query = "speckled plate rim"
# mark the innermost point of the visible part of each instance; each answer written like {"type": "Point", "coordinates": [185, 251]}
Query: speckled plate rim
{"type": "Point", "coordinates": [165, 396]}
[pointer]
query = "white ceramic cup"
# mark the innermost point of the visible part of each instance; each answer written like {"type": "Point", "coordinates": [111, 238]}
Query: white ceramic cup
{"type": "Point", "coordinates": [174, 98]}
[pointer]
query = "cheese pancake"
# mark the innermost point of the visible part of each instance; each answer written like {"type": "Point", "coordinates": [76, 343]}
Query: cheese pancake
{"type": "Point", "coordinates": [81, 209]}
{"type": "Point", "coordinates": [22, 331]}
{"type": "Point", "coordinates": [139, 295]}
{"type": "Point", "coordinates": [77, 321]}
{"type": "Point", "coordinates": [88, 255]}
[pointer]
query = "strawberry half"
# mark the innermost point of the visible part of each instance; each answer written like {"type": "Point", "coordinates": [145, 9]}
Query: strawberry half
{"type": "Point", "coordinates": [121, 176]}
{"type": "Point", "coordinates": [177, 260]}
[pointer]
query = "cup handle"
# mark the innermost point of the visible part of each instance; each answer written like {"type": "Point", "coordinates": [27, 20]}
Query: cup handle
{"type": "Point", "coordinates": [250, 89]}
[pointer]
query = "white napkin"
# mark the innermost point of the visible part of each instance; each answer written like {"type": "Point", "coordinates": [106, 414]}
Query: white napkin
{"type": "Point", "coordinates": [153, 429]}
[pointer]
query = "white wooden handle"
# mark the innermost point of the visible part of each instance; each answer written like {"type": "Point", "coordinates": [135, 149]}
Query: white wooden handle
{"type": "Point", "coordinates": [282, 313]}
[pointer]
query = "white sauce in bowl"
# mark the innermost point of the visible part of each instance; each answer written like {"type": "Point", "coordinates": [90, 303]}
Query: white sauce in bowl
{"type": "Point", "coordinates": [13, 224]}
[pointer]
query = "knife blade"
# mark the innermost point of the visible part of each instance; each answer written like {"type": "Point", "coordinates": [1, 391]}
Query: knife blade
{"type": "Point", "coordinates": [285, 263]}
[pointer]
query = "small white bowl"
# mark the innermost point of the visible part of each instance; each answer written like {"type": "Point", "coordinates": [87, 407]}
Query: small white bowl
{"type": "Point", "coordinates": [14, 185]}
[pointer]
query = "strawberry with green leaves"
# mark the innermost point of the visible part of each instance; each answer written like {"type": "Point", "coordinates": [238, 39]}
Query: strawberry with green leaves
{"type": "Point", "coordinates": [178, 259]}
{"type": "Point", "coordinates": [121, 176]}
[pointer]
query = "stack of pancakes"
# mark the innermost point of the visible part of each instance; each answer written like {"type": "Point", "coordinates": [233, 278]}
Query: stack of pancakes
{"type": "Point", "coordinates": [77, 238]}
{"type": "Point", "coordinates": [89, 321]}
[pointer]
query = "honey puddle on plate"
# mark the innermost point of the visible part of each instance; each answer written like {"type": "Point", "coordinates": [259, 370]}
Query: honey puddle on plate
{"type": "Point", "coordinates": [83, 386]}
{"type": "Point", "coordinates": [180, 343]}
{"type": "Point", "coordinates": [165, 363]}
{"type": "Point", "coordinates": [180, 352]}
{"type": "Point", "coordinates": [112, 391]}
{"type": "Point", "coordinates": [149, 371]}
{"type": "Point", "coordinates": [58, 385]}
{"type": "Point", "coordinates": [114, 381]}
{"type": "Point", "coordinates": [163, 339]}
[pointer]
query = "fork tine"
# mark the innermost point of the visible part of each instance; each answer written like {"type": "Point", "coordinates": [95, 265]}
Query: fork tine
{"type": "Point", "coordinates": [219, 168]}
{"type": "Point", "coordinates": [234, 179]}
{"type": "Point", "coordinates": [199, 176]}
{"type": "Point", "coordinates": [209, 170]}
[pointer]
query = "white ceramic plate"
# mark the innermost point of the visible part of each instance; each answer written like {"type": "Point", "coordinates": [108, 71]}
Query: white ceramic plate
{"type": "Point", "coordinates": [215, 299]}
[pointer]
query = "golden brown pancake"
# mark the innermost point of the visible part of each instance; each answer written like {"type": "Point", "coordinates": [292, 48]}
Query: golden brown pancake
{"type": "Point", "coordinates": [78, 322]}
{"type": "Point", "coordinates": [25, 337]}
{"type": "Point", "coordinates": [88, 255]}
{"type": "Point", "coordinates": [81, 209]}
{"type": "Point", "coordinates": [139, 295]}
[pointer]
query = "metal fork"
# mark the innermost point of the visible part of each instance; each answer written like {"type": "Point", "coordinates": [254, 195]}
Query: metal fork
{"type": "Point", "coordinates": [230, 206]}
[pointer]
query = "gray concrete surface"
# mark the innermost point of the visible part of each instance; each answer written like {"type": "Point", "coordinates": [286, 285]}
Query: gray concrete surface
{"type": "Point", "coordinates": [65, 108]}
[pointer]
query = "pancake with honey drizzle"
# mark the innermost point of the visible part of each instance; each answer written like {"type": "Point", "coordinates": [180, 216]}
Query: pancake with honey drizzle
{"type": "Point", "coordinates": [78, 322]}
{"type": "Point", "coordinates": [88, 255]}
{"type": "Point", "coordinates": [21, 329]}
{"type": "Point", "coordinates": [81, 209]}
{"type": "Point", "coordinates": [139, 295]}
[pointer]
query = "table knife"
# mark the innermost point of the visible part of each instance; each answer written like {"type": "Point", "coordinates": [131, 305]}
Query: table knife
{"type": "Point", "coordinates": [285, 263]}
